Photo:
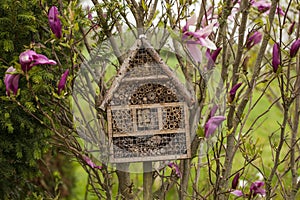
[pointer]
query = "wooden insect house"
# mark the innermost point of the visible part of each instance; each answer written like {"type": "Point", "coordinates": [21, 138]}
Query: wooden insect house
{"type": "Point", "coordinates": [147, 110]}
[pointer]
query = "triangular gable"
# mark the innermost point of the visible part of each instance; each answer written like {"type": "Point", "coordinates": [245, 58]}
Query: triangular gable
{"type": "Point", "coordinates": [139, 44]}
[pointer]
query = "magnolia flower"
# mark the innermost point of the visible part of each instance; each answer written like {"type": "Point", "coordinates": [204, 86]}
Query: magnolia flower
{"type": "Point", "coordinates": [276, 57]}
{"type": "Point", "coordinates": [54, 21]}
{"type": "Point", "coordinates": [175, 167]}
{"type": "Point", "coordinates": [264, 6]}
{"type": "Point", "coordinates": [291, 28]}
{"type": "Point", "coordinates": [235, 9]}
{"type": "Point", "coordinates": [29, 59]}
{"type": "Point", "coordinates": [91, 163]}
{"type": "Point", "coordinates": [235, 181]}
{"type": "Point", "coordinates": [237, 193]}
{"type": "Point", "coordinates": [212, 57]}
{"type": "Point", "coordinates": [253, 39]}
{"type": "Point", "coordinates": [11, 81]}
{"type": "Point", "coordinates": [256, 188]}
{"type": "Point", "coordinates": [63, 81]}
{"type": "Point", "coordinates": [212, 124]}
{"type": "Point", "coordinates": [195, 52]}
{"type": "Point", "coordinates": [294, 48]}
{"type": "Point", "coordinates": [198, 37]}
{"type": "Point", "coordinates": [261, 5]}
{"type": "Point", "coordinates": [213, 111]}
{"type": "Point", "coordinates": [232, 92]}
{"type": "Point", "coordinates": [89, 14]}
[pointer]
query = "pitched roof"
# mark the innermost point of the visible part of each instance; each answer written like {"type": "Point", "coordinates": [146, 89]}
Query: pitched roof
{"type": "Point", "coordinates": [139, 44]}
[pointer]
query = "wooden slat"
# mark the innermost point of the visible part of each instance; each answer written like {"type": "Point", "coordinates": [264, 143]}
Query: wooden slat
{"type": "Point", "coordinates": [160, 120]}
{"type": "Point", "coordinates": [134, 120]}
{"type": "Point", "coordinates": [148, 158]}
{"type": "Point", "coordinates": [187, 130]}
{"type": "Point", "coordinates": [149, 132]}
{"type": "Point", "coordinates": [109, 124]}
{"type": "Point", "coordinates": [147, 78]}
{"type": "Point", "coordinates": [142, 106]}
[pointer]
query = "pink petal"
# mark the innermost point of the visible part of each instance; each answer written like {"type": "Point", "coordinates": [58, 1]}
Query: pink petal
{"type": "Point", "coordinates": [212, 124]}
{"type": "Point", "coordinates": [237, 193]}
{"type": "Point", "coordinates": [195, 52]}
{"type": "Point", "coordinates": [207, 43]}
{"type": "Point", "coordinates": [40, 59]}
{"type": "Point", "coordinates": [191, 21]}
{"type": "Point", "coordinates": [206, 31]}
{"type": "Point", "coordinates": [15, 83]}
{"type": "Point", "coordinates": [11, 81]}
{"type": "Point", "coordinates": [213, 111]}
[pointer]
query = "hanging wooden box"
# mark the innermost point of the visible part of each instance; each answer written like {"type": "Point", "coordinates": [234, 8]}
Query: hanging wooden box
{"type": "Point", "coordinates": [147, 110]}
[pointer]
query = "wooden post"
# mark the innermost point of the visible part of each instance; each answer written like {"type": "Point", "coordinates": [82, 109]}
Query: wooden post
{"type": "Point", "coordinates": [125, 186]}
{"type": "Point", "coordinates": [147, 180]}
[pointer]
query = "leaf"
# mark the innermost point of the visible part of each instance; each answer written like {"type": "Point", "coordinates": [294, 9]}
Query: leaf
{"type": "Point", "coordinates": [145, 7]}
{"type": "Point", "coordinates": [30, 106]}
{"type": "Point", "coordinates": [9, 127]}
{"type": "Point", "coordinates": [37, 79]}
{"type": "Point", "coordinates": [37, 154]}
{"type": "Point", "coordinates": [6, 116]}
{"type": "Point", "coordinates": [27, 18]}
{"type": "Point", "coordinates": [30, 28]}
{"type": "Point", "coordinates": [4, 21]}
{"type": "Point", "coordinates": [8, 45]}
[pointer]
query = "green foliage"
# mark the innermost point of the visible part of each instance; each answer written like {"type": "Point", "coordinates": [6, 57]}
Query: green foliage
{"type": "Point", "coordinates": [23, 139]}
{"type": "Point", "coordinates": [17, 24]}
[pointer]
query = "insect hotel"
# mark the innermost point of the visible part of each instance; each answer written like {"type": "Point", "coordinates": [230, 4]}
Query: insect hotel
{"type": "Point", "coordinates": [147, 110]}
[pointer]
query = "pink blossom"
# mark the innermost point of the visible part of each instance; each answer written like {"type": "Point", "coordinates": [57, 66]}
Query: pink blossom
{"type": "Point", "coordinates": [212, 124]}
{"type": "Point", "coordinates": [294, 48]}
{"type": "Point", "coordinates": [256, 188]}
{"type": "Point", "coordinates": [54, 21]}
{"type": "Point", "coordinates": [212, 57]}
{"type": "Point", "coordinates": [213, 111]}
{"type": "Point", "coordinates": [253, 39]}
{"type": "Point", "coordinates": [198, 37]}
{"type": "Point", "coordinates": [291, 28]}
{"type": "Point", "coordinates": [11, 81]}
{"type": "Point", "coordinates": [90, 163]}
{"type": "Point", "coordinates": [175, 167]}
{"type": "Point", "coordinates": [201, 36]}
{"type": "Point", "coordinates": [235, 181]}
{"type": "Point", "coordinates": [264, 6]}
{"type": "Point", "coordinates": [276, 57]}
{"type": "Point", "coordinates": [63, 81]}
{"type": "Point", "coordinates": [237, 193]}
{"type": "Point", "coordinates": [29, 59]}
{"type": "Point", "coordinates": [232, 92]}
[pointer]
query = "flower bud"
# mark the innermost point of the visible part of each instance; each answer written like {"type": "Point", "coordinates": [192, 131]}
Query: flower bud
{"type": "Point", "coordinates": [11, 81]}
{"type": "Point", "coordinates": [291, 28]}
{"type": "Point", "coordinates": [54, 21]}
{"type": "Point", "coordinates": [276, 57]}
{"type": "Point", "coordinates": [294, 48]}
{"type": "Point", "coordinates": [62, 81]}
